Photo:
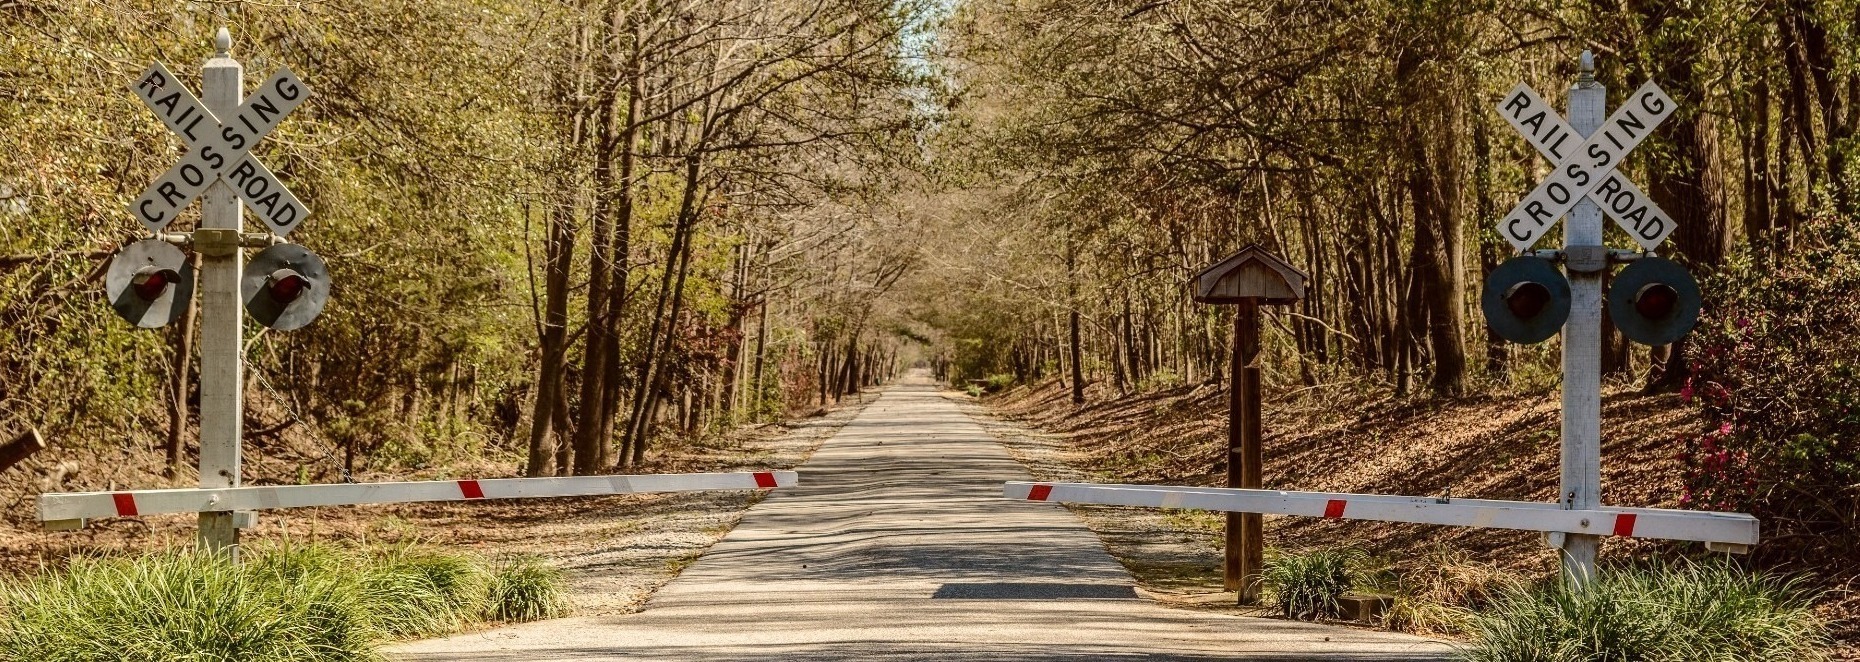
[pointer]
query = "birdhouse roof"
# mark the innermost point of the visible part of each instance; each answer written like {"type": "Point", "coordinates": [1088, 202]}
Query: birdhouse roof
{"type": "Point", "coordinates": [1229, 280]}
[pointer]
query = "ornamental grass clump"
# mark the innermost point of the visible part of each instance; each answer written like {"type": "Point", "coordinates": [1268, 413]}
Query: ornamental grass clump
{"type": "Point", "coordinates": [1681, 612]}
{"type": "Point", "coordinates": [189, 605]}
{"type": "Point", "coordinates": [524, 588]}
{"type": "Point", "coordinates": [1306, 586]}
{"type": "Point", "coordinates": [285, 602]}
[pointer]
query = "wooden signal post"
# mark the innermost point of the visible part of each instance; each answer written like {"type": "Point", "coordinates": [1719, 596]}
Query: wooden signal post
{"type": "Point", "coordinates": [1247, 279]}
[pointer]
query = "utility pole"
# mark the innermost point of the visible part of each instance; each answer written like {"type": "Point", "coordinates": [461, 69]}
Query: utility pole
{"type": "Point", "coordinates": [1582, 344]}
{"type": "Point", "coordinates": [221, 320]}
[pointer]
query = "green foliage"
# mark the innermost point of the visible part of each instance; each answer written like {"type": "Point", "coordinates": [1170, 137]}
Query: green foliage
{"type": "Point", "coordinates": [1306, 585]}
{"type": "Point", "coordinates": [1679, 613]}
{"type": "Point", "coordinates": [186, 605]}
{"type": "Point", "coordinates": [284, 603]}
{"type": "Point", "coordinates": [1775, 360]}
{"type": "Point", "coordinates": [422, 594]}
{"type": "Point", "coordinates": [524, 588]}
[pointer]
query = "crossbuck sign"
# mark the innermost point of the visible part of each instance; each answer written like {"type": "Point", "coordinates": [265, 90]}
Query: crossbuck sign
{"type": "Point", "coordinates": [219, 149]}
{"type": "Point", "coordinates": [1586, 168]}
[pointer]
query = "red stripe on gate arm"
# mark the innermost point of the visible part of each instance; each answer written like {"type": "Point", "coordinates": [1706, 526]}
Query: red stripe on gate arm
{"type": "Point", "coordinates": [1334, 509]}
{"type": "Point", "coordinates": [765, 479]}
{"type": "Point", "coordinates": [1039, 492]}
{"type": "Point", "coordinates": [125, 504]}
{"type": "Point", "coordinates": [470, 489]}
{"type": "Point", "coordinates": [1624, 525]}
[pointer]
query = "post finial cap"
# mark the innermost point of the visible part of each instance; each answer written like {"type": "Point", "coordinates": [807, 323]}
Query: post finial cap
{"type": "Point", "coordinates": [223, 41]}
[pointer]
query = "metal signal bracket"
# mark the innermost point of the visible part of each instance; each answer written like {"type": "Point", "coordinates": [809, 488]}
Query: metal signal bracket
{"type": "Point", "coordinates": [1583, 259]}
{"type": "Point", "coordinates": [217, 242]}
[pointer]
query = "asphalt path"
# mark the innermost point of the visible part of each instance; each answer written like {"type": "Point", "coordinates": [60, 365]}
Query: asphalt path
{"type": "Point", "coordinates": [897, 545]}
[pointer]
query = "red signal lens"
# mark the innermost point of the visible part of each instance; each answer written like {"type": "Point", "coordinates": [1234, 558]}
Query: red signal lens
{"type": "Point", "coordinates": [1656, 301]}
{"type": "Point", "coordinates": [1527, 300]}
{"type": "Point", "coordinates": [151, 283]}
{"type": "Point", "coordinates": [285, 286]}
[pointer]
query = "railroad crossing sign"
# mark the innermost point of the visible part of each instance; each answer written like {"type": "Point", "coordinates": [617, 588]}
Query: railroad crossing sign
{"type": "Point", "coordinates": [219, 149]}
{"type": "Point", "coordinates": [1586, 168]}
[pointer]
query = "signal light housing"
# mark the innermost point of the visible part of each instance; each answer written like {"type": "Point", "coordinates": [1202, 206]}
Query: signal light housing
{"type": "Point", "coordinates": [149, 283]}
{"type": "Point", "coordinates": [1654, 301]}
{"type": "Point", "coordinates": [285, 286]}
{"type": "Point", "coordinates": [1525, 300]}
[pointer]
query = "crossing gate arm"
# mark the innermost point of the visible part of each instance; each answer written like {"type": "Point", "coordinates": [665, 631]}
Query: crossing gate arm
{"type": "Point", "coordinates": [59, 510]}
{"type": "Point", "coordinates": [1716, 529]}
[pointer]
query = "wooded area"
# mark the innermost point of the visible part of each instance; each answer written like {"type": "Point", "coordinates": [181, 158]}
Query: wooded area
{"type": "Point", "coordinates": [562, 230]}
{"type": "Point", "coordinates": [1141, 141]}
{"type": "Point", "coordinates": [558, 230]}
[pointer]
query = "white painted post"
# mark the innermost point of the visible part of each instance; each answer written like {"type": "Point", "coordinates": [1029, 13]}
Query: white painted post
{"type": "Point", "coordinates": [221, 320]}
{"type": "Point", "coordinates": [1582, 367]}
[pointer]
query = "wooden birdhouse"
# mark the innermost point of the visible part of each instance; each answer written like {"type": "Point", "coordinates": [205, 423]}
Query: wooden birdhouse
{"type": "Point", "coordinates": [1250, 273]}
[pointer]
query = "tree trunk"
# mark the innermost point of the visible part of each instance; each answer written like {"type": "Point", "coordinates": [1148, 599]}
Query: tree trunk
{"type": "Point", "coordinates": [754, 398]}
{"type": "Point", "coordinates": [1434, 185]}
{"type": "Point", "coordinates": [649, 360]}
{"type": "Point", "coordinates": [655, 362]}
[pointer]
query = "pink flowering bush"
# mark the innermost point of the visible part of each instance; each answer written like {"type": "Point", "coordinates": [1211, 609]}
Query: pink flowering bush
{"type": "Point", "coordinates": [1774, 366]}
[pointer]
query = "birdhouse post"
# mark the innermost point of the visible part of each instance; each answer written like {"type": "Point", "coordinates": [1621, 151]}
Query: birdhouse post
{"type": "Point", "coordinates": [1247, 279]}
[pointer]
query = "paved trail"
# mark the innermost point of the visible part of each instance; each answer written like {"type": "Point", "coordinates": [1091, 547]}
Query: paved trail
{"type": "Point", "coordinates": [898, 546]}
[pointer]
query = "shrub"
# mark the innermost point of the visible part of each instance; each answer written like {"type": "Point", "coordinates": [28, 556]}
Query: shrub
{"type": "Point", "coordinates": [1306, 586]}
{"type": "Point", "coordinates": [426, 594]}
{"type": "Point", "coordinates": [1680, 613]}
{"type": "Point", "coordinates": [314, 603]}
{"type": "Point", "coordinates": [524, 588]}
{"type": "Point", "coordinates": [184, 605]}
{"type": "Point", "coordinates": [1774, 360]}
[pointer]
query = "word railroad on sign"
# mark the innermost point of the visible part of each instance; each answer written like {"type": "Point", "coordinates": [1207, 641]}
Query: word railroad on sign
{"type": "Point", "coordinates": [219, 149]}
{"type": "Point", "coordinates": [1586, 168]}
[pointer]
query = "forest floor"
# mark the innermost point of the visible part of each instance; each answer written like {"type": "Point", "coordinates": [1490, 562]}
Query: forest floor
{"type": "Point", "coordinates": [616, 550]}
{"type": "Point", "coordinates": [1344, 438]}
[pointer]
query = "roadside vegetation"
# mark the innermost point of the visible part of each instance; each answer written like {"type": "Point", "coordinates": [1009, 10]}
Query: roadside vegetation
{"type": "Point", "coordinates": [1678, 612]}
{"type": "Point", "coordinates": [284, 602]}
{"type": "Point", "coordinates": [1671, 611]}
{"type": "Point", "coordinates": [1306, 585]}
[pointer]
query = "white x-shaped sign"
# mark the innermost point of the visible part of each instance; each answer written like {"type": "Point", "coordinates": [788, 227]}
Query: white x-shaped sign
{"type": "Point", "coordinates": [1586, 169]}
{"type": "Point", "coordinates": [219, 150]}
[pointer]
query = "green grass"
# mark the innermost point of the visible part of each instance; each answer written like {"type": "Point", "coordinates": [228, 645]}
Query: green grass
{"type": "Point", "coordinates": [1682, 612]}
{"type": "Point", "coordinates": [526, 589]}
{"type": "Point", "coordinates": [1306, 585]}
{"type": "Point", "coordinates": [315, 603]}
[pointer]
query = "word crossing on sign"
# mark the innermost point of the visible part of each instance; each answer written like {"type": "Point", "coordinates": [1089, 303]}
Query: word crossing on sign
{"type": "Point", "coordinates": [219, 149]}
{"type": "Point", "coordinates": [1586, 168]}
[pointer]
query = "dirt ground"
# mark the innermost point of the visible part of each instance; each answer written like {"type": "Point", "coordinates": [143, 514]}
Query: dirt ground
{"type": "Point", "coordinates": [1341, 439]}
{"type": "Point", "coordinates": [649, 536]}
